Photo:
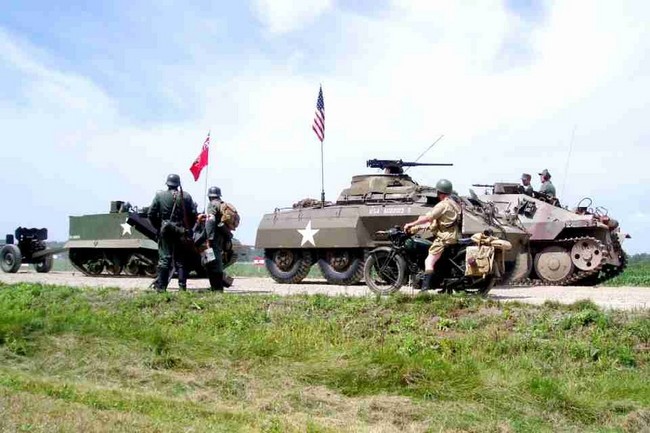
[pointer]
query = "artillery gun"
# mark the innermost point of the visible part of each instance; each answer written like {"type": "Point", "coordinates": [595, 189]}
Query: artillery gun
{"type": "Point", "coordinates": [338, 236]}
{"type": "Point", "coordinates": [582, 245]}
{"type": "Point", "coordinates": [30, 248]}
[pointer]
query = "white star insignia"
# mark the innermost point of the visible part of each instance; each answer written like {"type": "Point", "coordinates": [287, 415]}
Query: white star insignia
{"type": "Point", "coordinates": [126, 228]}
{"type": "Point", "coordinates": [308, 234]}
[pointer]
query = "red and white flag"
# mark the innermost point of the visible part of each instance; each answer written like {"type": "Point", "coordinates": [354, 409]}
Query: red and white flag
{"type": "Point", "coordinates": [201, 160]}
{"type": "Point", "coordinates": [319, 118]}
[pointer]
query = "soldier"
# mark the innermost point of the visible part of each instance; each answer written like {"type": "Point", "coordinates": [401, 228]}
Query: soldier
{"type": "Point", "coordinates": [216, 235]}
{"type": "Point", "coordinates": [525, 181]}
{"type": "Point", "coordinates": [546, 187]}
{"type": "Point", "coordinates": [444, 220]}
{"type": "Point", "coordinates": [172, 213]}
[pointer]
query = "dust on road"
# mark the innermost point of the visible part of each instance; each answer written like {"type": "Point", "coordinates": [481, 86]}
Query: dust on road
{"type": "Point", "coordinates": [625, 298]}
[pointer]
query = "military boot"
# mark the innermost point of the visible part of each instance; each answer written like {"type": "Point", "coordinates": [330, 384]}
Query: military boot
{"type": "Point", "coordinates": [162, 280]}
{"type": "Point", "coordinates": [216, 281]}
{"type": "Point", "coordinates": [182, 279]}
{"type": "Point", "coordinates": [427, 281]}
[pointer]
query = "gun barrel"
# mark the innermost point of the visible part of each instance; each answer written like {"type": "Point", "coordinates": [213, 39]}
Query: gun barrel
{"type": "Point", "coordinates": [383, 163]}
{"type": "Point", "coordinates": [143, 225]}
{"type": "Point", "coordinates": [483, 185]}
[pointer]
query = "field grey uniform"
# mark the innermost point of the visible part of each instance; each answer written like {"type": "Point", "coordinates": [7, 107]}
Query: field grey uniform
{"type": "Point", "coordinates": [167, 210]}
{"type": "Point", "coordinates": [547, 186]}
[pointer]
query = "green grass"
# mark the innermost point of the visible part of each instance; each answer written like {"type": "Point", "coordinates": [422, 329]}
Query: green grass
{"type": "Point", "coordinates": [102, 360]}
{"type": "Point", "coordinates": [636, 274]}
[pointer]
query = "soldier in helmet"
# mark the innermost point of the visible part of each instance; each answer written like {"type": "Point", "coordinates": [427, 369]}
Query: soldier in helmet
{"type": "Point", "coordinates": [546, 187]}
{"type": "Point", "coordinates": [444, 222]}
{"type": "Point", "coordinates": [525, 181]}
{"type": "Point", "coordinates": [172, 213]}
{"type": "Point", "coordinates": [216, 234]}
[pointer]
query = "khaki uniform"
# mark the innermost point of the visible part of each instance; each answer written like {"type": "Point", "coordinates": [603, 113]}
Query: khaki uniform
{"type": "Point", "coordinates": [445, 225]}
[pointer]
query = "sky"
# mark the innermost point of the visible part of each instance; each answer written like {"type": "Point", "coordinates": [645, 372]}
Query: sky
{"type": "Point", "coordinates": [100, 101]}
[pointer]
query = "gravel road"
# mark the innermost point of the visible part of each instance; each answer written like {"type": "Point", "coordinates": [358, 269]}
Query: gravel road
{"type": "Point", "coordinates": [608, 297]}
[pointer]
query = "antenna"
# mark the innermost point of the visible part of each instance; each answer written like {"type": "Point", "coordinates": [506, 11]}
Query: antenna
{"type": "Point", "coordinates": [428, 148]}
{"type": "Point", "coordinates": [568, 158]}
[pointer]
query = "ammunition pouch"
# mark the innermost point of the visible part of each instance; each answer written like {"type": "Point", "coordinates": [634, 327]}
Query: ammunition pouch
{"type": "Point", "coordinates": [172, 229]}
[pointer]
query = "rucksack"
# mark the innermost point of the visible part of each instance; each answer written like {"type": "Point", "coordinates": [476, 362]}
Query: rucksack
{"type": "Point", "coordinates": [229, 216]}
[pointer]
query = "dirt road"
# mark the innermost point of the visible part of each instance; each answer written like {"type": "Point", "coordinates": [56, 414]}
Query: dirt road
{"type": "Point", "coordinates": [607, 297]}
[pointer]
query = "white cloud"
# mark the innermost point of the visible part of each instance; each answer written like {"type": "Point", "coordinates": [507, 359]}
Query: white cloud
{"type": "Point", "coordinates": [397, 81]}
{"type": "Point", "coordinates": [281, 16]}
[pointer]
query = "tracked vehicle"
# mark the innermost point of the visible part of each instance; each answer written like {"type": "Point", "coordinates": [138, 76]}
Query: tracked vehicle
{"type": "Point", "coordinates": [338, 236]}
{"type": "Point", "coordinates": [123, 242]}
{"type": "Point", "coordinates": [105, 244]}
{"type": "Point", "coordinates": [580, 246]}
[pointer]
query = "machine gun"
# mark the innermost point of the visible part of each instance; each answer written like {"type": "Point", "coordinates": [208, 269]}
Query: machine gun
{"type": "Point", "coordinates": [396, 166]}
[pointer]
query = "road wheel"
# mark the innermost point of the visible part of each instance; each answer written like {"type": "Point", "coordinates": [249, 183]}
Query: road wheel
{"type": "Point", "coordinates": [384, 271]}
{"type": "Point", "coordinates": [10, 258]}
{"type": "Point", "coordinates": [288, 266]}
{"type": "Point", "coordinates": [343, 267]}
{"type": "Point", "coordinates": [132, 267]}
{"type": "Point", "coordinates": [45, 265]}
{"type": "Point", "coordinates": [553, 264]}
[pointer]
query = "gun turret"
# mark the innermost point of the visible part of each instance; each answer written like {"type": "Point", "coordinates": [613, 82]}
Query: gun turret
{"type": "Point", "coordinates": [396, 166]}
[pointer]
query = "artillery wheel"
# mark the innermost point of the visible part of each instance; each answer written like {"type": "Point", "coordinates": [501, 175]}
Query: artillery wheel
{"type": "Point", "coordinates": [10, 258]}
{"type": "Point", "coordinates": [45, 265]}
{"type": "Point", "coordinates": [384, 271]}
{"type": "Point", "coordinates": [553, 264]}
{"type": "Point", "coordinates": [287, 266]}
{"type": "Point", "coordinates": [343, 267]}
{"type": "Point", "coordinates": [587, 254]}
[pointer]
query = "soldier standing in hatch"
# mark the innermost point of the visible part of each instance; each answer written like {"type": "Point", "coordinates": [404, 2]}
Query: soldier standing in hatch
{"type": "Point", "coordinates": [546, 187]}
{"type": "Point", "coordinates": [525, 181]}
{"type": "Point", "coordinates": [216, 236]}
{"type": "Point", "coordinates": [171, 213]}
{"type": "Point", "coordinates": [444, 220]}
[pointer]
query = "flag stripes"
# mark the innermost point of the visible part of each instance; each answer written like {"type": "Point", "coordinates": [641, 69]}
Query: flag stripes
{"type": "Point", "coordinates": [319, 118]}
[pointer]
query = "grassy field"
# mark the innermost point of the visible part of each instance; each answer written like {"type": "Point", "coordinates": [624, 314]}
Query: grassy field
{"type": "Point", "coordinates": [103, 360]}
{"type": "Point", "coordinates": [636, 274]}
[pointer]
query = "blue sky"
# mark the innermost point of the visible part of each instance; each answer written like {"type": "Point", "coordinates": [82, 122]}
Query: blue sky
{"type": "Point", "coordinates": [99, 102]}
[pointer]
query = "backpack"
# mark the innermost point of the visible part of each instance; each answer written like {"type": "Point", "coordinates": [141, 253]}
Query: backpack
{"type": "Point", "coordinates": [229, 216]}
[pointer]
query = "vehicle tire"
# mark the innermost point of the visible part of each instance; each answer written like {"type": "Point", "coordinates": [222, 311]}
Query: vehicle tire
{"type": "Point", "coordinates": [288, 266]}
{"type": "Point", "coordinates": [384, 271]}
{"type": "Point", "coordinates": [10, 258]}
{"type": "Point", "coordinates": [342, 267]}
{"type": "Point", "coordinates": [45, 265]}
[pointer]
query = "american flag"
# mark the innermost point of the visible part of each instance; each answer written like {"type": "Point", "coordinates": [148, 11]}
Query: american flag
{"type": "Point", "coordinates": [319, 119]}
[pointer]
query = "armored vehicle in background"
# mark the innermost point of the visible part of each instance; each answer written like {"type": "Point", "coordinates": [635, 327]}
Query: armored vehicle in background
{"type": "Point", "coordinates": [567, 246]}
{"type": "Point", "coordinates": [106, 244]}
{"type": "Point", "coordinates": [123, 242]}
{"type": "Point", "coordinates": [337, 236]}
{"type": "Point", "coordinates": [29, 247]}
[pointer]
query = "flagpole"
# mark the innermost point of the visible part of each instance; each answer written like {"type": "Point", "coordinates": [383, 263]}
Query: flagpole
{"type": "Point", "coordinates": [322, 176]}
{"type": "Point", "coordinates": [207, 170]}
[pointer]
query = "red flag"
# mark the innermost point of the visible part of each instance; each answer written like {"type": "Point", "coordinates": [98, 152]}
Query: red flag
{"type": "Point", "coordinates": [201, 160]}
